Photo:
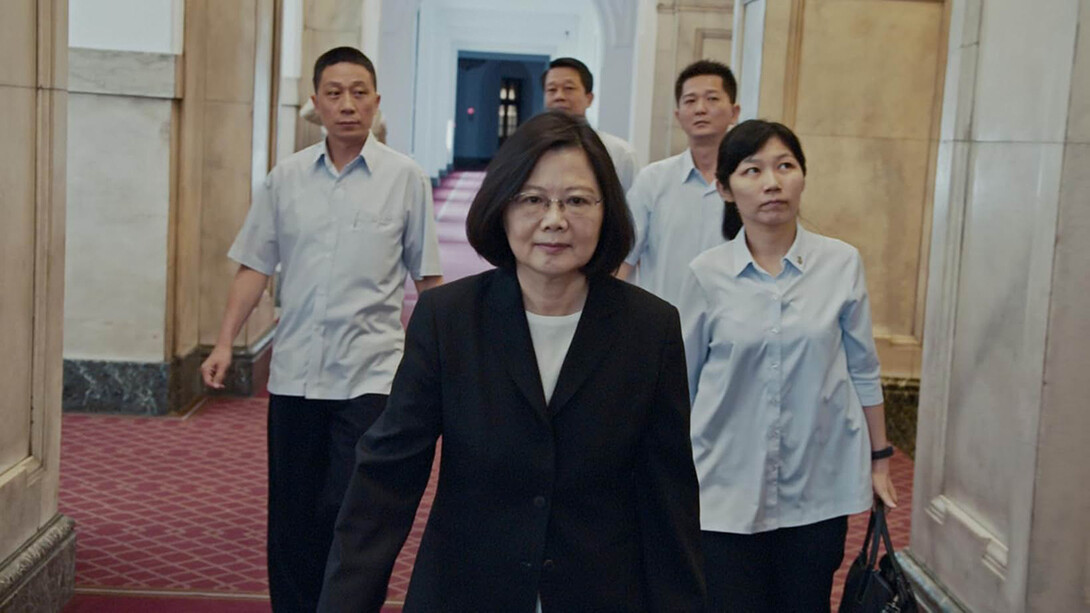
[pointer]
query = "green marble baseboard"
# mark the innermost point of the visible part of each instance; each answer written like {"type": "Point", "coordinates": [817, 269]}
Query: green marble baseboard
{"type": "Point", "coordinates": [902, 400]}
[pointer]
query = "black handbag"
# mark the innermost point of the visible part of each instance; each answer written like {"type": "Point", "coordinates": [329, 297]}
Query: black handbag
{"type": "Point", "coordinates": [877, 589]}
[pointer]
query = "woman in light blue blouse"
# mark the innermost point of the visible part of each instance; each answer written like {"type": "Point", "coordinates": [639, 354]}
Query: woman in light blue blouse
{"type": "Point", "coordinates": [788, 426]}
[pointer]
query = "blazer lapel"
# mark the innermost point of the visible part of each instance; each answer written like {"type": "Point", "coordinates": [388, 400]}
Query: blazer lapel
{"type": "Point", "coordinates": [593, 340]}
{"type": "Point", "coordinates": [510, 335]}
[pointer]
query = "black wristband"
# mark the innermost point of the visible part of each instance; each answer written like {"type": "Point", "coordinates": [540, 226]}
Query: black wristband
{"type": "Point", "coordinates": [881, 454]}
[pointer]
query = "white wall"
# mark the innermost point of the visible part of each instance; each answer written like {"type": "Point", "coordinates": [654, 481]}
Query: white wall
{"type": "Point", "coordinates": [371, 30]}
{"type": "Point", "coordinates": [154, 26]}
{"type": "Point", "coordinates": [291, 40]}
{"type": "Point", "coordinates": [748, 51]}
{"type": "Point", "coordinates": [614, 87]}
{"type": "Point", "coordinates": [396, 68]}
{"type": "Point", "coordinates": [643, 79]}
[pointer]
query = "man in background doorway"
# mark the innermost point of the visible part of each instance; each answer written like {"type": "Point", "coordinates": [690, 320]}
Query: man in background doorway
{"type": "Point", "coordinates": [569, 87]}
{"type": "Point", "coordinates": [677, 210]}
{"type": "Point", "coordinates": [346, 220]}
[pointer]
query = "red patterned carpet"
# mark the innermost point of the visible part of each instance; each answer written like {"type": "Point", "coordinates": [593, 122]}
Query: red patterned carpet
{"type": "Point", "coordinates": [170, 512]}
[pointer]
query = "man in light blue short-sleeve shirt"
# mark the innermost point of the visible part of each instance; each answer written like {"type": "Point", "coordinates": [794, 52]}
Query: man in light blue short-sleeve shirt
{"type": "Point", "coordinates": [569, 87]}
{"type": "Point", "coordinates": [677, 211]}
{"type": "Point", "coordinates": [346, 220]}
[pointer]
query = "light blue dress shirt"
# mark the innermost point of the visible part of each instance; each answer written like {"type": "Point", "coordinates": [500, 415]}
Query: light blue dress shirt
{"type": "Point", "coordinates": [623, 156]}
{"type": "Point", "coordinates": [677, 216]}
{"type": "Point", "coordinates": [345, 243]}
{"type": "Point", "coordinates": [780, 369]}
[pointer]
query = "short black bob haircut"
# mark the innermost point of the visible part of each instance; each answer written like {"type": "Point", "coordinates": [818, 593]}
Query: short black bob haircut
{"type": "Point", "coordinates": [337, 55]}
{"type": "Point", "coordinates": [577, 66]}
{"type": "Point", "coordinates": [744, 140]}
{"type": "Point", "coordinates": [700, 68]}
{"type": "Point", "coordinates": [512, 166]}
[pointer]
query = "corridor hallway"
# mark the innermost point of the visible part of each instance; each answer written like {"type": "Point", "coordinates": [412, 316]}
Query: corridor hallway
{"type": "Point", "coordinates": [170, 511]}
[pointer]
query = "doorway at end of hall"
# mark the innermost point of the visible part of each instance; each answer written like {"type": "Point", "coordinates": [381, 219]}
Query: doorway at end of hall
{"type": "Point", "coordinates": [496, 92]}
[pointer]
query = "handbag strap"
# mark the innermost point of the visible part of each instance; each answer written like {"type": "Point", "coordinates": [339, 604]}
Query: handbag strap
{"type": "Point", "coordinates": [900, 581]}
{"type": "Point", "coordinates": [864, 554]}
{"type": "Point", "coordinates": [888, 542]}
{"type": "Point", "coordinates": [878, 519]}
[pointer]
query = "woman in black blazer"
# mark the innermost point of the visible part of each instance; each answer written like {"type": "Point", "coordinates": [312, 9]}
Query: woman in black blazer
{"type": "Point", "coordinates": [566, 480]}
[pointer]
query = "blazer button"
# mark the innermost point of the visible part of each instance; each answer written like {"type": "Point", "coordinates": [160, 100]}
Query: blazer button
{"type": "Point", "coordinates": [547, 565]}
{"type": "Point", "coordinates": [539, 502]}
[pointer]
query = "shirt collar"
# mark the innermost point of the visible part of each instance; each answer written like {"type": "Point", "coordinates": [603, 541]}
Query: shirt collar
{"type": "Point", "coordinates": [687, 167]}
{"type": "Point", "coordinates": [366, 158]}
{"type": "Point", "coordinates": [799, 256]}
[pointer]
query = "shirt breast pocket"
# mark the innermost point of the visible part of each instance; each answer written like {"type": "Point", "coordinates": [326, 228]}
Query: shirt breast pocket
{"type": "Point", "coordinates": [365, 221]}
{"type": "Point", "coordinates": [373, 242]}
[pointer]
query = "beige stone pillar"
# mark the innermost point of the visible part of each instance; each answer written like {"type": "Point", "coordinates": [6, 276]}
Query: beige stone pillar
{"type": "Point", "coordinates": [1000, 505]}
{"type": "Point", "coordinates": [687, 31]}
{"type": "Point", "coordinates": [226, 115]}
{"type": "Point", "coordinates": [37, 544]}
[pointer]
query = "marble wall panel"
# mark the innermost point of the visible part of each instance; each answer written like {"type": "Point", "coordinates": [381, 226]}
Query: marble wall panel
{"type": "Point", "coordinates": [119, 191]}
{"type": "Point", "coordinates": [1058, 564]}
{"type": "Point", "coordinates": [32, 172]}
{"type": "Point", "coordinates": [45, 442]}
{"type": "Point", "coordinates": [1078, 120]}
{"type": "Point", "coordinates": [18, 43]}
{"type": "Point", "coordinates": [777, 28]}
{"type": "Point", "coordinates": [230, 50]}
{"type": "Point", "coordinates": [96, 71]}
{"type": "Point", "coordinates": [262, 139]}
{"type": "Point", "coordinates": [663, 123]}
{"type": "Point", "coordinates": [850, 50]}
{"type": "Point", "coordinates": [1022, 90]}
{"type": "Point", "coordinates": [287, 116]}
{"type": "Point", "coordinates": [960, 78]}
{"type": "Point", "coordinates": [333, 14]}
{"type": "Point", "coordinates": [226, 199]}
{"type": "Point", "coordinates": [186, 225]}
{"type": "Point", "coordinates": [17, 253]}
{"type": "Point", "coordinates": [870, 192]}
{"type": "Point", "coordinates": [1001, 317]}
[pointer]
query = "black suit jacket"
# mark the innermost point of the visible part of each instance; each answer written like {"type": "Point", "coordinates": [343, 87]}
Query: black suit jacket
{"type": "Point", "coordinates": [590, 501]}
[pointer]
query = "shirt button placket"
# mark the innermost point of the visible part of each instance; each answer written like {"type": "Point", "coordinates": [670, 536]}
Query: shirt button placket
{"type": "Point", "coordinates": [776, 376]}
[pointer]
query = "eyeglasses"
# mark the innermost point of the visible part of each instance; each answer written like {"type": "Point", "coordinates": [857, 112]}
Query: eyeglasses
{"type": "Point", "coordinates": [534, 204]}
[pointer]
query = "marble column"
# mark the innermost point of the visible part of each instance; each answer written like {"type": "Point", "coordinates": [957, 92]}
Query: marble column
{"type": "Point", "coordinates": [1000, 504]}
{"type": "Point", "coordinates": [225, 149]}
{"type": "Point", "coordinates": [37, 544]}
